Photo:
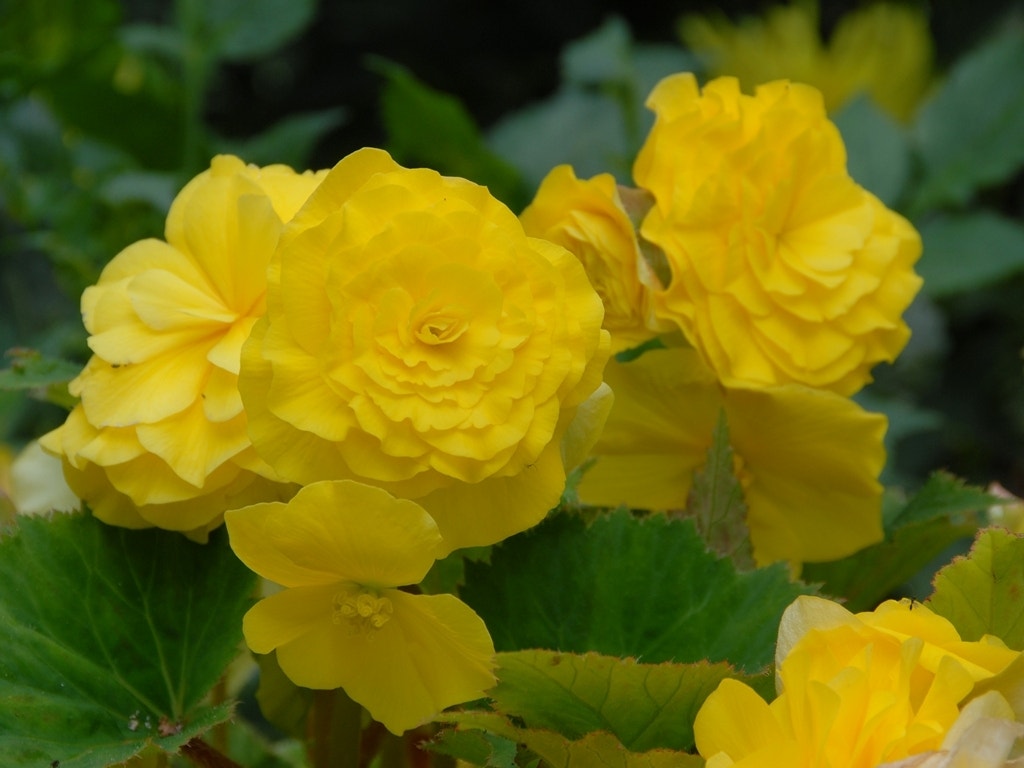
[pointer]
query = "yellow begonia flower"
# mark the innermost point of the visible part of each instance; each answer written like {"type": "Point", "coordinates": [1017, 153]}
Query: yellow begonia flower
{"type": "Point", "coordinates": [588, 218]}
{"type": "Point", "coordinates": [783, 268]}
{"type": "Point", "coordinates": [160, 435]}
{"type": "Point", "coordinates": [341, 549]}
{"type": "Point", "coordinates": [883, 49]}
{"type": "Point", "coordinates": [854, 690]}
{"type": "Point", "coordinates": [808, 460]}
{"type": "Point", "coordinates": [417, 339]}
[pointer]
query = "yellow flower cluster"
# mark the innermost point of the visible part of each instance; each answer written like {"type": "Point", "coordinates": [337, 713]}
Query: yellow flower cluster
{"type": "Point", "coordinates": [376, 334]}
{"type": "Point", "coordinates": [882, 49]}
{"type": "Point", "coordinates": [364, 369]}
{"type": "Point", "coordinates": [857, 691]}
{"type": "Point", "coordinates": [788, 282]}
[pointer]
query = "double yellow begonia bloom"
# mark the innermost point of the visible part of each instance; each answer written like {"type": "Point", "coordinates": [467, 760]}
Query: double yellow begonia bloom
{"type": "Point", "coordinates": [808, 460]}
{"type": "Point", "coordinates": [855, 691]}
{"type": "Point", "coordinates": [883, 49]}
{"type": "Point", "coordinates": [589, 218]}
{"type": "Point", "coordinates": [415, 338]}
{"type": "Point", "coordinates": [783, 268]}
{"type": "Point", "coordinates": [159, 437]}
{"type": "Point", "coordinates": [342, 549]}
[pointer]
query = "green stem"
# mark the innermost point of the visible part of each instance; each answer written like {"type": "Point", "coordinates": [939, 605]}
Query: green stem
{"type": "Point", "coordinates": [337, 725]}
{"type": "Point", "coordinates": [201, 754]}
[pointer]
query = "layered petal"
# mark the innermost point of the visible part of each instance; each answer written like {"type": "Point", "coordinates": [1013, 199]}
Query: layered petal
{"type": "Point", "coordinates": [893, 686]}
{"type": "Point", "coordinates": [161, 420]}
{"type": "Point", "coordinates": [416, 339]}
{"type": "Point", "coordinates": [589, 219]}
{"type": "Point", "coordinates": [783, 269]}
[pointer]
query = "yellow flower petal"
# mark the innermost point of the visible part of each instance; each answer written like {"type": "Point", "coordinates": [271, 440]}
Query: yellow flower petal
{"type": "Point", "coordinates": [432, 653]}
{"type": "Point", "coordinates": [657, 434]}
{"type": "Point", "coordinates": [284, 617]}
{"type": "Point", "coordinates": [808, 451]}
{"type": "Point", "coordinates": [335, 531]}
{"type": "Point", "coordinates": [735, 722]}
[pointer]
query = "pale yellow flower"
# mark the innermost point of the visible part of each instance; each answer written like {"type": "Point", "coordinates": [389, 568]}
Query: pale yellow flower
{"type": "Point", "coordinates": [882, 49]}
{"type": "Point", "coordinates": [36, 483]}
{"type": "Point", "coordinates": [854, 690]}
{"type": "Point", "coordinates": [983, 736]}
{"type": "Point", "coordinates": [341, 549]}
{"type": "Point", "coordinates": [783, 268]}
{"type": "Point", "coordinates": [588, 218]}
{"type": "Point", "coordinates": [160, 435]}
{"type": "Point", "coordinates": [416, 339]}
{"type": "Point", "coordinates": [808, 460]}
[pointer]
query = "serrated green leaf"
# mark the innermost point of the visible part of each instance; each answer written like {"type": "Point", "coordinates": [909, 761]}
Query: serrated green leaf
{"type": "Point", "coordinates": [427, 127]}
{"type": "Point", "coordinates": [595, 750]}
{"type": "Point", "coordinates": [867, 577]}
{"type": "Point", "coordinates": [966, 252]}
{"type": "Point", "coordinates": [30, 369]}
{"type": "Point", "coordinates": [877, 149]}
{"type": "Point", "coordinates": [646, 706]}
{"type": "Point", "coordinates": [478, 747]}
{"type": "Point", "coordinates": [916, 531]}
{"type": "Point", "coordinates": [969, 134]}
{"type": "Point", "coordinates": [983, 593]}
{"type": "Point", "coordinates": [942, 496]}
{"type": "Point", "coordinates": [643, 588]}
{"type": "Point", "coordinates": [111, 639]}
{"type": "Point", "coordinates": [716, 502]}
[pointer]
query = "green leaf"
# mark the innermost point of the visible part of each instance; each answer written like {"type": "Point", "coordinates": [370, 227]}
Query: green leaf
{"type": "Point", "coordinates": [970, 251]}
{"type": "Point", "coordinates": [30, 369]}
{"type": "Point", "coordinates": [646, 706]}
{"type": "Point", "coordinates": [867, 577]}
{"type": "Point", "coordinates": [943, 496]}
{"type": "Point", "coordinates": [290, 141]}
{"type": "Point", "coordinates": [284, 704]}
{"type": "Point", "coordinates": [111, 639]}
{"type": "Point", "coordinates": [983, 593]}
{"type": "Point", "coordinates": [244, 30]}
{"type": "Point", "coordinates": [596, 120]}
{"type": "Point", "coordinates": [877, 150]}
{"type": "Point", "coordinates": [585, 130]}
{"type": "Point", "coordinates": [644, 588]}
{"type": "Point", "coordinates": [430, 128]}
{"type": "Point", "coordinates": [969, 134]}
{"type": "Point", "coordinates": [478, 747]}
{"type": "Point", "coordinates": [716, 502]}
{"type": "Point", "coordinates": [595, 750]}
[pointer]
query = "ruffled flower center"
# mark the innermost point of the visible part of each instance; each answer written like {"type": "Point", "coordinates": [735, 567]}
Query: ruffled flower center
{"type": "Point", "coordinates": [362, 612]}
